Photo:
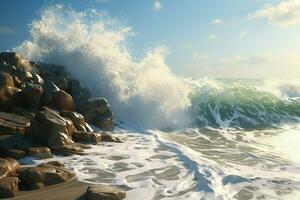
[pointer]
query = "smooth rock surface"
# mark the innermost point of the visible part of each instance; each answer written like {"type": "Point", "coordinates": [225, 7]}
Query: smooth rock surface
{"type": "Point", "coordinates": [104, 192]}
{"type": "Point", "coordinates": [9, 186]}
{"type": "Point", "coordinates": [40, 152]}
{"type": "Point", "coordinates": [11, 124]}
{"type": "Point", "coordinates": [88, 137]}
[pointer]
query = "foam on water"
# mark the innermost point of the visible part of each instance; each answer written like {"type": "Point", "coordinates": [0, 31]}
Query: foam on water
{"type": "Point", "coordinates": [192, 164]}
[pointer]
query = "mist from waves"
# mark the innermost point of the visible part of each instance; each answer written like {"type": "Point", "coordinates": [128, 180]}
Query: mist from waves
{"type": "Point", "coordinates": [94, 48]}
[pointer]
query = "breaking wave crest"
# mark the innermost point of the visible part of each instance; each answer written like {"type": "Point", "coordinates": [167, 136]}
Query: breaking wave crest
{"type": "Point", "coordinates": [94, 49]}
{"type": "Point", "coordinates": [242, 104]}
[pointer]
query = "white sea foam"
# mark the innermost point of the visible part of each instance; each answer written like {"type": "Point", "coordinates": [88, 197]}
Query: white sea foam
{"type": "Point", "coordinates": [94, 49]}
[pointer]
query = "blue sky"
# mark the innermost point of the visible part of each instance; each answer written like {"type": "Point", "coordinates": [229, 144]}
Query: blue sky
{"type": "Point", "coordinates": [208, 37]}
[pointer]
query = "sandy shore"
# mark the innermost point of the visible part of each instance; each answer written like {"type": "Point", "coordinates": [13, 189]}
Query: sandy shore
{"type": "Point", "coordinates": [70, 190]}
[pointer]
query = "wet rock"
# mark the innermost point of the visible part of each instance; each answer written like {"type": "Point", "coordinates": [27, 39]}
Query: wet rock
{"type": "Point", "coordinates": [106, 137]}
{"type": "Point", "coordinates": [14, 153]}
{"type": "Point", "coordinates": [56, 163]}
{"type": "Point", "coordinates": [61, 82]}
{"type": "Point", "coordinates": [9, 186]}
{"type": "Point", "coordinates": [16, 141]}
{"type": "Point", "coordinates": [104, 192]}
{"type": "Point", "coordinates": [88, 137]}
{"type": "Point", "coordinates": [77, 119]}
{"type": "Point", "coordinates": [62, 101]}
{"type": "Point", "coordinates": [49, 89]}
{"type": "Point", "coordinates": [15, 59]}
{"type": "Point", "coordinates": [70, 127]}
{"type": "Point", "coordinates": [6, 79]}
{"type": "Point", "coordinates": [78, 92]}
{"type": "Point", "coordinates": [37, 79]}
{"type": "Point", "coordinates": [97, 111]}
{"type": "Point", "coordinates": [49, 128]}
{"type": "Point", "coordinates": [23, 75]}
{"type": "Point", "coordinates": [68, 150]}
{"type": "Point", "coordinates": [44, 175]}
{"type": "Point", "coordinates": [8, 97]}
{"type": "Point", "coordinates": [88, 128]}
{"type": "Point", "coordinates": [40, 152]}
{"type": "Point", "coordinates": [8, 167]}
{"type": "Point", "coordinates": [32, 94]}
{"type": "Point", "coordinates": [12, 124]}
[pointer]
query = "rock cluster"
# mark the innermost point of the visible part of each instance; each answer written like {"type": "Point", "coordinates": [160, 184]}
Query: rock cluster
{"type": "Point", "coordinates": [44, 111]}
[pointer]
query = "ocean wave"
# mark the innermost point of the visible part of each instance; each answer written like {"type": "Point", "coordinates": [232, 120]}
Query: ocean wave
{"type": "Point", "coordinates": [240, 104]}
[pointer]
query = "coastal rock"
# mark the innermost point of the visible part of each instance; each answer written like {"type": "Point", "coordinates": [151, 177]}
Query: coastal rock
{"type": "Point", "coordinates": [37, 79]}
{"type": "Point", "coordinates": [14, 153]}
{"type": "Point", "coordinates": [32, 94]}
{"type": "Point", "coordinates": [49, 128]}
{"type": "Point", "coordinates": [40, 152]}
{"type": "Point", "coordinates": [9, 186]}
{"type": "Point", "coordinates": [78, 92]}
{"type": "Point", "coordinates": [49, 89]}
{"type": "Point", "coordinates": [67, 150]}
{"type": "Point", "coordinates": [23, 75]}
{"type": "Point", "coordinates": [106, 137]}
{"type": "Point", "coordinates": [97, 111]}
{"type": "Point", "coordinates": [44, 175]}
{"type": "Point", "coordinates": [8, 167]}
{"type": "Point", "coordinates": [12, 124]}
{"type": "Point", "coordinates": [104, 192]}
{"type": "Point", "coordinates": [70, 127]}
{"type": "Point", "coordinates": [62, 101]}
{"type": "Point", "coordinates": [77, 119]}
{"type": "Point", "coordinates": [88, 137]}
{"type": "Point", "coordinates": [15, 59]}
{"type": "Point", "coordinates": [6, 79]}
{"type": "Point", "coordinates": [8, 97]}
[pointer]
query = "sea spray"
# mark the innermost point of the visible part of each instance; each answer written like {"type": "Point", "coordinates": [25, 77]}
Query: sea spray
{"type": "Point", "coordinates": [94, 49]}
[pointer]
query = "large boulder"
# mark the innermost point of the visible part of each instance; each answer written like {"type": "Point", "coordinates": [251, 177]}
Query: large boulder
{"type": "Point", "coordinates": [31, 94]}
{"type": "Point", "coordinates": [12, 124]}
{"type": "Point", "coordinates": [104, 192]}
{"type": "Point", "coordinates": [15, 59]}
{"type": "Point", "coordinates": [13, 153]}
{"type": "Point", "coordinates": [49, 89]}
{"type": "Point", "coordinates": [9, 186]}
{"type": "Point", "coordinates": [97, 111]}
{"type": "Point", "coordinates": [67, 150]}
{"type": "Point", "coordinates": [6, 79]}
{"type": "Point", "coordinates": [40, 152]}
{"type": "Point", "coordinates": [106, 137]}
{"type": "Point", "coordinates": [79, 93]}
{"type": "Point", "coordinates": [44, 175]}
{"type": "Point", "coordinates": [49, 128]}
{"type": "Point", "coordinates": [8, 97]}
{"type": "Point", "coordinates": [87, 137]}
{"type": "Point", "coordinates": [62, 101]}
{"type": "Point", "coordinates": [77, 119]}
{"type": "Point", "coordinates": [8, 167]}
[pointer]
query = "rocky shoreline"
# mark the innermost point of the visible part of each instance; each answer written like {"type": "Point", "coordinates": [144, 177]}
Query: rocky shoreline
{"type": "Point", "coordinates": [44, 111]}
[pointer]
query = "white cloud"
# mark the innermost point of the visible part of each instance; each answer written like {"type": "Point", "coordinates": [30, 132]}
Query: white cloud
{"type": "Point", "coordinates": [243, 34]}
{"type": "Point", "coordinates": [213, 36]}
{"type": "Point", "coordinates": [285, 13]}
{"type": "Point", "coordinates": [217, 21]}
{"type": "Point", "coordinates": [6, 30]}
{"type": "Point", "coordinates": [157, 5]}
